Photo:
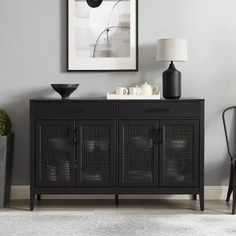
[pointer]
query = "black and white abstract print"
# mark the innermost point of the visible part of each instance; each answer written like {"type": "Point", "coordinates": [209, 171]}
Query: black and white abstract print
{"type": "Point", "coordinates": [103, 31]}
{"type": "Point", "coordinates": [106, 33]}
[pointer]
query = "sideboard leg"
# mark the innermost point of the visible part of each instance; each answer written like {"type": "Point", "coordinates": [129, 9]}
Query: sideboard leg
{"type": "Point", "coordinates": [117, 199]}
{"type": "Point", "coordinates": [32, 196]}
{"type": "Point", "coordinates": [201, 199]}
{"type": "Point", "coordinates": [194, 197]}
{"type": "Point", "coordinates": [38, 197]}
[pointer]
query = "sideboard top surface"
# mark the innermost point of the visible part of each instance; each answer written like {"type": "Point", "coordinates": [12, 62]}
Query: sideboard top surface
{"type": "Point", "coordinates": [51, 100]}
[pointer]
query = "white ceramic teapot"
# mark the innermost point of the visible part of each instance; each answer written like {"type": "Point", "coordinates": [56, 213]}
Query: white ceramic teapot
{"type": "Point", "coordinates": [148, 90]}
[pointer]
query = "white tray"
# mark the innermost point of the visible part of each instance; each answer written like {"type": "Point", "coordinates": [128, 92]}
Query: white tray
{"type": "Point", "coordinates": [127, 97]}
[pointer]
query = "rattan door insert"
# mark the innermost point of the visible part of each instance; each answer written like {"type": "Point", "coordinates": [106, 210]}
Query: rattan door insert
{"type": "Point", "coordinates": [96, 153]}
{"type": "Point", "coordinates": [55, 153]}
{"type": "Point", "coordinates": [137, 153]}
{"type": "Point", "coordinates": [179, 153]}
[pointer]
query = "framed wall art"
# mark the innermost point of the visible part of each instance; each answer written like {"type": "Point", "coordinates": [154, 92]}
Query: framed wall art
{"type": "Point", "coordinates": [102, 35]}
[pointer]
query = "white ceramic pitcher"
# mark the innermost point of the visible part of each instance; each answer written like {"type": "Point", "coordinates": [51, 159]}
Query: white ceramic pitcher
{"type": "Point", "coordinates": [148, 90]}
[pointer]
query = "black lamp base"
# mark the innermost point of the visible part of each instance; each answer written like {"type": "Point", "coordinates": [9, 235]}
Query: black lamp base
{"type": "Point", "coordinates": [171, 83]}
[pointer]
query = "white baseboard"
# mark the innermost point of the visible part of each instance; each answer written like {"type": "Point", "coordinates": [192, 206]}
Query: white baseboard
{"type": "Point", "coordinates": [211, 193]}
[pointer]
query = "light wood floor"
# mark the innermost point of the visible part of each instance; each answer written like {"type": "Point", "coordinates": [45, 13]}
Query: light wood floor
{"type": "Point", "coordinates": [125, 206]}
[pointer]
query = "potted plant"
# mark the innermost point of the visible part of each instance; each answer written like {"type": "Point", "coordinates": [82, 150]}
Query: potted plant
{"type": "Point", "coordinates": [6, 158]}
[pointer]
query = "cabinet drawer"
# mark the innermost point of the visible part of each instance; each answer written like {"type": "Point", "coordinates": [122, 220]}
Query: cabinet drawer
{"type": "Point", "coordinates": [60, 110]}
{"type": "Point", "coordinates": [157, 109]}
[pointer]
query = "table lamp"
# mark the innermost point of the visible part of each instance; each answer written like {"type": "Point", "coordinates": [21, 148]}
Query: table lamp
{"type": "Point", "coordinates": [171, 50]}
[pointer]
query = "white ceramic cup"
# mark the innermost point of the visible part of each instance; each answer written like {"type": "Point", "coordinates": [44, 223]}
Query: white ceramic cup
{"type": "Point", "coordinates": [135, 91]}
{"type": "Point", "coordinates": [121, 91]}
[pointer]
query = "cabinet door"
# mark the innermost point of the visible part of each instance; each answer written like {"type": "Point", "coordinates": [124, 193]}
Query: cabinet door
{"type": "Point", "coordinates": [55, 153]}
{"type": "Point", "coordinates": [137, 153]}
{"type": "Point", "coordinates": [179, 153]}
{"type": "Point", "coordinates": [96, 153]}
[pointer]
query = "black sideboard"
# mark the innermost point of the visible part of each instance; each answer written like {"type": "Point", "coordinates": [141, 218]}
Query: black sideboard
{"type": "Point", "coordinates": [117, 147]}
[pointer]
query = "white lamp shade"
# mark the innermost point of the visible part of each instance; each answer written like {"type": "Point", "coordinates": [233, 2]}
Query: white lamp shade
{"type": "Point", "coordinates": [172, 50]}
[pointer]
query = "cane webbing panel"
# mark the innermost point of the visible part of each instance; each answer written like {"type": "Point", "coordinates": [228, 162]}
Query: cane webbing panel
{"type": "Point", "coordinates": [137, 154]}
{"type": "Point", "coordinates": [55, 155]}
{"type": "Point", "coordinates": [95, 153]}
{"type": "Point", "coordinates": [179, 154]}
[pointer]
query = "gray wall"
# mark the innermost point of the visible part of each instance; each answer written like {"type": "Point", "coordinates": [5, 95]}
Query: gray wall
{"type": "Point", "coordinates": [33, 55]}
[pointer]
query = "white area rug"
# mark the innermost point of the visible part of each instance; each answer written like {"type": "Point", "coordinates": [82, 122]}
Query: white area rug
{"type": "Point", "coordinates": [69, 223]}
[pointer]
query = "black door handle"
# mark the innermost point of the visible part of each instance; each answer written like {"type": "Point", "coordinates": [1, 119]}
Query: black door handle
{"type": "Point", "coordinates": [157, 136]}
{"type": "Point", "coordinates": [74, 136]}
{"type": "Point", "coordinates": [154, 135]}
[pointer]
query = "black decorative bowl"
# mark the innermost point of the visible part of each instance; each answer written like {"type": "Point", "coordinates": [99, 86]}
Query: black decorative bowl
{"type": "Point", "coordinates": [65, 90]}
